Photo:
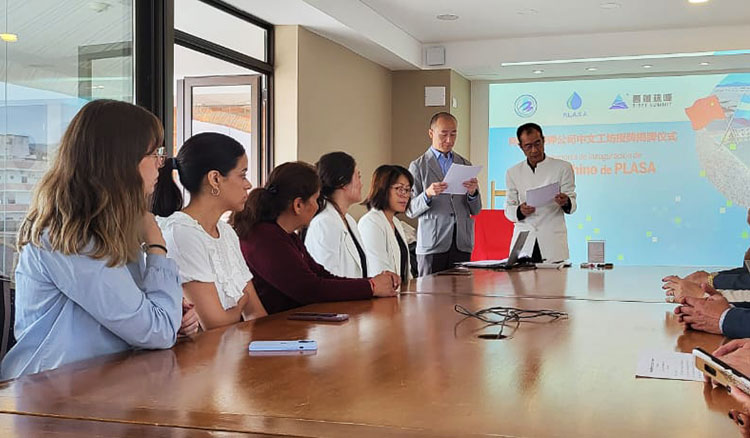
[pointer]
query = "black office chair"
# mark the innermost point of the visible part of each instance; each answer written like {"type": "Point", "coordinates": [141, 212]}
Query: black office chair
{"type": "Point", "coordinates": [413, 259]}
{"type": "Point", "coordinates": [7, 316]}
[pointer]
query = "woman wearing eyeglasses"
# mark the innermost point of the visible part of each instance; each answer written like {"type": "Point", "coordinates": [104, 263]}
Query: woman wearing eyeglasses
{"type": "Point", "coordinates": [84, 287]}
{"type": "Point", "coordinates": [382, 233]}
{"type": "Point", "coordinates": [213, 169]}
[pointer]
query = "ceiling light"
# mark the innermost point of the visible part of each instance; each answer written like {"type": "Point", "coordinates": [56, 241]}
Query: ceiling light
{"type": "Point", "coordinates": [447, 17]}
{"type": "Point", "coordinates": [695, 2]}
{"type": "Point", "coordinates": [647, 66]}
{"type": "Point", "coordinates": [591, 69]}
{"type": "Point", "coordinates": [609, 5]}
{"type": "Point", "coordinates": [9, 37]}
{"type": "Point", "coordinates": [538, 72]}
{"type": "Point", "coordinates": [705, 63]}
{"type": "Point", "coordinates": [629, 58]}
{"type": "Point", "coordinates": [528, 11]}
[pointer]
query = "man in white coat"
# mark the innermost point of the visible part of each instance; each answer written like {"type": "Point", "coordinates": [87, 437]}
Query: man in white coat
{"type": "Point", "coordinates": [548, 236]}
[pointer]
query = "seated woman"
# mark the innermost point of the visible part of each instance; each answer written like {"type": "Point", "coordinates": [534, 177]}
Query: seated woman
{"type": "Point", "coordinates": [84, 287]}
{"type": "Point", "coordinates": [332, 237]}
{"type": "Point", "coordinates": [284, 273]}
{"type": "Point", "coordinates": [382, 233]}
{"type": "Point", "coordinates": [213, 169]}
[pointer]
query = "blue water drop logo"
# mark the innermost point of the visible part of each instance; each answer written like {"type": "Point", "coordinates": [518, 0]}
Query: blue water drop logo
{"type": "Point", "coordinates": [574, 101]}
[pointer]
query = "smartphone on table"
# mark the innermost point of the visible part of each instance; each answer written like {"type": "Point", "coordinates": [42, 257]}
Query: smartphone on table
{"type": "Point", "coordinates": [264, 346]}
{"type": "Point", "coordinates": [316, 316]}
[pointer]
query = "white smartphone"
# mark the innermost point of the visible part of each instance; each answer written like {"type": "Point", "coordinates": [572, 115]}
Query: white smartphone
{"type": "Point", "coordinates": [303, 345]}
{"type": "Point", "coordinates": [719, 371]}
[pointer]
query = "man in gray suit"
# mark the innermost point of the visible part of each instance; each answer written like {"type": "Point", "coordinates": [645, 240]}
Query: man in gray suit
{"type": "Point", "coordinates": [445, 234]}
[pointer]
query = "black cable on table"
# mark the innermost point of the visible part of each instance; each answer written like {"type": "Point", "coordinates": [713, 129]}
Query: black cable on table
{"type": "Point", "coordinates": [509, 316]}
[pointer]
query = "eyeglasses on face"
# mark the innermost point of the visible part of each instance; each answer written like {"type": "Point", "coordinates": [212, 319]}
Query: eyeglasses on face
{"type": "Point", "coordinates": [160, 155]}
{"type": "Point", "coordinates": [529, 146]}
{"type": "Point", "coordinates": [402, 190]}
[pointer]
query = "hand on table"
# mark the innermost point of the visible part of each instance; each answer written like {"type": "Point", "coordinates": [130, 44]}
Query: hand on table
{"type": "Point", "coordinates": [190, 324]}
{"type": "Point", "coordinates": [698, 277]}
{"type": "Point", "coordinates": [677, 287]}
{"type": "Point", "coordinates": [702, 313]}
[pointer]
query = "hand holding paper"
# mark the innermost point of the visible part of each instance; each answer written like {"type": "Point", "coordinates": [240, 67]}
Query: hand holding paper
{"type": "Point", "coordinates": [457, 175]}
{"type": "Point", "coordinates": [542, 195]}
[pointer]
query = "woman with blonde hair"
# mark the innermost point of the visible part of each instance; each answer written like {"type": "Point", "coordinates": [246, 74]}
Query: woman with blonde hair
{"type": "Point", "coordinates": [84, 287]}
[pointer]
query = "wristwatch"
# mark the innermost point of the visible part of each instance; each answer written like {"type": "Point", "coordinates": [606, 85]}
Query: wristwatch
{"type": "Point", "coordinates": [711, 279]}
{"type": "Point", "coordinates": [146, 246]}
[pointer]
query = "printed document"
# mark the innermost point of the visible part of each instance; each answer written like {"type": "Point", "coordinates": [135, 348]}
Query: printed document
{"type": "Point", "coordinates": [457, 174]}
{"type": "Point", "coordinates": [668, 365]}
{"type": "Point", "coordinates": [542, 195]}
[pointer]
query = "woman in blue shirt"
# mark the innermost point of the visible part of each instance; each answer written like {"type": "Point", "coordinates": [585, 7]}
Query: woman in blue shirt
{"type": "Point", "coordinates": [83, 285]}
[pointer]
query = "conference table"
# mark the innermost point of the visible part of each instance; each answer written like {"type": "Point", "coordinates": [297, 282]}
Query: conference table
{"type": "Point", "coordinates": [409, 366]}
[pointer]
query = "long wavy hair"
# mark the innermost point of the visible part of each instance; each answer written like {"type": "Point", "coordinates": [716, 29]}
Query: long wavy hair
{"type": "Point", "coordinates": [91, 201]}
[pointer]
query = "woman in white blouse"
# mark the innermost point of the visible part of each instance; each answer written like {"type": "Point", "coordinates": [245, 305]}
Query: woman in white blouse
{"type": "Point", "coordinates": [382, 233]}
{"type": "Point", "coordinates": [212, 167]}
{"type": "Point", "coordinates": [332, 237]}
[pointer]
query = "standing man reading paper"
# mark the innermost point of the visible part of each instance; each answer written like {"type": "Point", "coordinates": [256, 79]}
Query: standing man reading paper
{"type": "Point", "coordinates": [548, 236]}
{"type": "Point", "coordinates": [445, 234]}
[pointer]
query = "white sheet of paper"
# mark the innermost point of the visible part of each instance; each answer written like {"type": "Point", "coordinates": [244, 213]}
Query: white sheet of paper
{"type": "Point", "coordinates": [457, 174]}
{"type": "Point", "coordinates": [668, 365]}
{"type": "Point", "coordinates": [542, 195]}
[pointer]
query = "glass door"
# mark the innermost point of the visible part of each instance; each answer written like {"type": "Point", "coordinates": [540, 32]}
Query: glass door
{"type": "Point", "coordinates": [230, 105]}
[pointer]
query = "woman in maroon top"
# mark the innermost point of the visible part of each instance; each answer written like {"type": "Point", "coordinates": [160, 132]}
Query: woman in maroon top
{"type": "Point", "coordinates": [284, 274]}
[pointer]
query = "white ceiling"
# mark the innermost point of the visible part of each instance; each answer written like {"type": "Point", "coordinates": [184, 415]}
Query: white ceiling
{"type": "Point", "coordinates": [492, 19]}
{"type": "Point", "coordinates": [395, 33]}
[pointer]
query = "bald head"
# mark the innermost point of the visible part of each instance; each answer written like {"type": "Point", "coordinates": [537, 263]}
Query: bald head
{"type": "Point", "coordinates": [443, 132]}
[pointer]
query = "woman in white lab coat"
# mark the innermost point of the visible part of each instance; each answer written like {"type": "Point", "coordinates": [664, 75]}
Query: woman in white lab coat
{"type": "Point", "coordinates": [332, 238]}
{"type": "Point", "coordinates": [382, 233]}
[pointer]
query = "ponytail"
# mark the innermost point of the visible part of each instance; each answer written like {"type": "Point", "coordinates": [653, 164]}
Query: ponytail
{"type": "Point", "coordinates": [199, 155]}
{"type": "Point", "coordinates": [167, 197]}
{"type": "Point", "coordinates": [286, 183]}
{"type": "Point", "coordinates": [335, 170]}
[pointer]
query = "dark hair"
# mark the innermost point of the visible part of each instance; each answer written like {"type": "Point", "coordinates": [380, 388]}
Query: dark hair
{"type": "Point", "coordinates": [527, 128]}
{"type": "Point", "coordinates": [441, 115]}
{"type": "Point", "coordinates": [380, 189]}
{"type": "Point", "coordinates": [199, 155]}
{"type": "Point", "coordinates": [335, 170]}
{"type": "Point", "coordinates": [286, 183]}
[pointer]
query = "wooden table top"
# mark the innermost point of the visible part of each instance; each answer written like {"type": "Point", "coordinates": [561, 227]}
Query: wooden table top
{"type": "Point", "coordinates": [30, 426]}
{"type": "Point", "coordinates": [622, 283]}
{"type": "Point", "coordinates": [404, 367]}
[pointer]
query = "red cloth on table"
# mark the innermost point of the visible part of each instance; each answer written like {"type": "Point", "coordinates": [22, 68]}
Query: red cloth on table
{"type": "Point", "coordinates": [492, 235]}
